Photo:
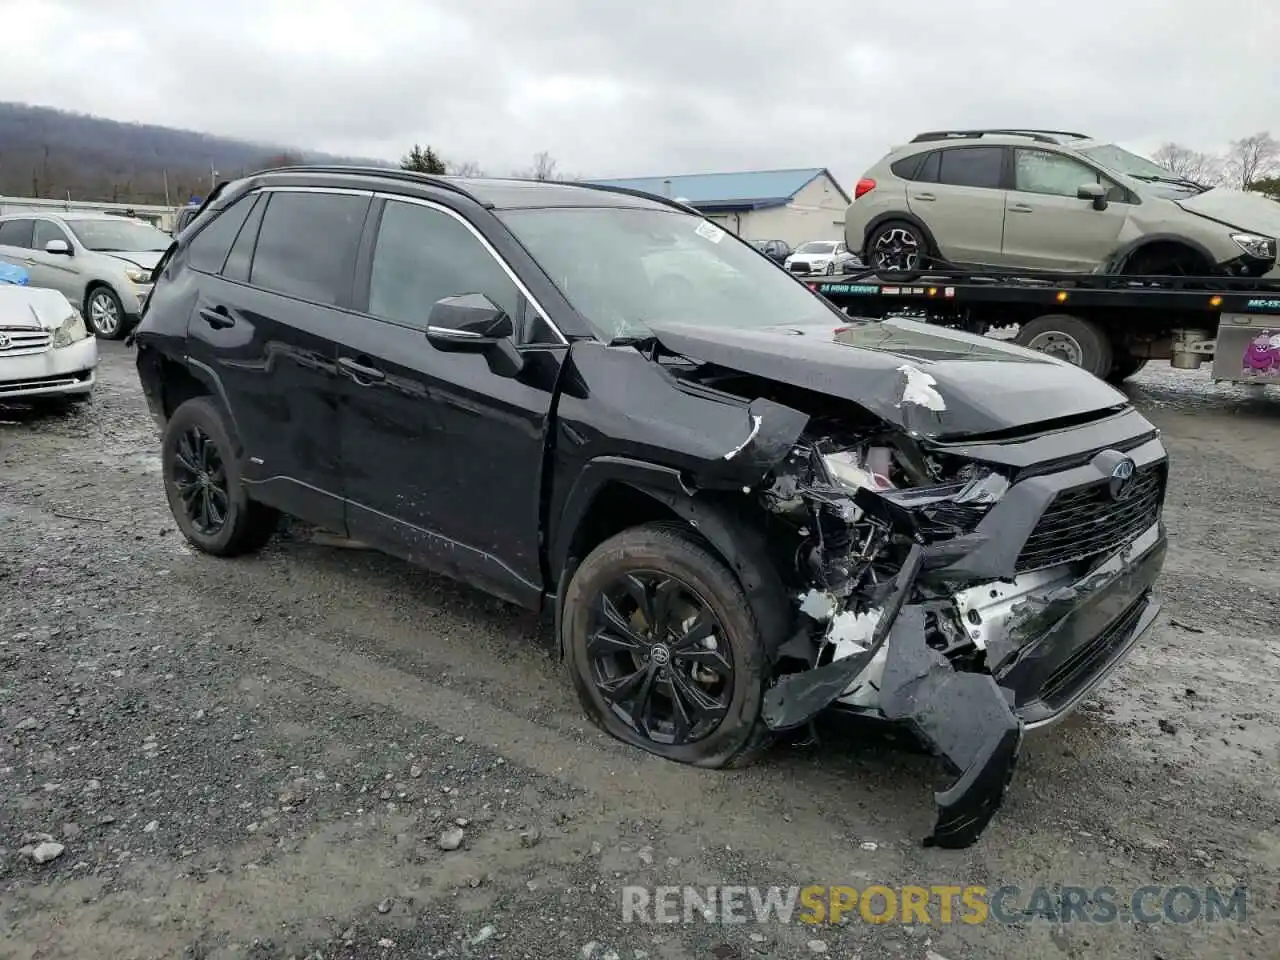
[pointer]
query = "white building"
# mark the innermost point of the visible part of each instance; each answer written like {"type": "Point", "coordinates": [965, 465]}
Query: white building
{"type": "Point", "coordinates": [790, 205]}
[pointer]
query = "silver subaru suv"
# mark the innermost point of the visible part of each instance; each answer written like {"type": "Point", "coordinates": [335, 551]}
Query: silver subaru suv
{"type": "Point", "coordinates": [1050, 200]}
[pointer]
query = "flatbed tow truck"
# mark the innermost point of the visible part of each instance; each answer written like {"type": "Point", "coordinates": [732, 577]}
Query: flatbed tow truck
{"type": "Point", "coordinates": [1110, 325]}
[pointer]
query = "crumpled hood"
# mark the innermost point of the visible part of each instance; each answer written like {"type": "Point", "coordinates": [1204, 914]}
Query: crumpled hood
{"type": "Point", "coordinates": [1237, 208]}
{"type": "Point", "coordinates": [929, 380]}
{"type": "Point", "coordinates": [147, 259]}
{"type": "Point", "coordinates": [32, 308]}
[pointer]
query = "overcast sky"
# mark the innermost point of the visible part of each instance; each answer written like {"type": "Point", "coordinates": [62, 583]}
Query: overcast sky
{"type": "Point", "coordinates": [626, 88]}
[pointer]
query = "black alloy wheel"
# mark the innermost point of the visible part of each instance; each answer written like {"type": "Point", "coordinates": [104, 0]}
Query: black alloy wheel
{"type": "Point", "coordinates": [663, 647]}
{"type": "Point", "coordinates": [658, 658]}
{"type": "Point", "coordinates": [201, 479]}
{"type": "Point", "coordinates": [203, 486]}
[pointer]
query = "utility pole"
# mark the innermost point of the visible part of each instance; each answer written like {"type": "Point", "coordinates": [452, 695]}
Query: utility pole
{"type": "Point", "coordinates": [166, 187]}
{"type": "Point", "coordinates": [213, 177]}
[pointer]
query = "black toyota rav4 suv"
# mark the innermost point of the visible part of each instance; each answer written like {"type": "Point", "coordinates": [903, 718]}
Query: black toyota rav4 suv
{"type": "Point", "coordinates": [739, 506]}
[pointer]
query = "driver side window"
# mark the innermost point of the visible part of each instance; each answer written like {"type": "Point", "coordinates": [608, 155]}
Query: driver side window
{"type": "Point", "coordinates": [423, 255]}
{"type": "Point", "coordinates": [1052, 174]}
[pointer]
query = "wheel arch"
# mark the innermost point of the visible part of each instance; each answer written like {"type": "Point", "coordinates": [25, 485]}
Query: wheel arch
{"type": "Point", "coordinates": [612, 494]}
{"type": "Point", "coordinates": [1120, 259]}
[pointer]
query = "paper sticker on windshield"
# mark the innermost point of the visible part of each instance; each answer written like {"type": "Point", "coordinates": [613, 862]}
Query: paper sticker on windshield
{"type": "Point", "coordinates": [710, 231]}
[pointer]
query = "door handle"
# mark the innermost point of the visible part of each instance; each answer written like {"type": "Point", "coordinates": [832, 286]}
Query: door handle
{"type": "Point", "coordinates": [217, 317]}
{"type": "Point", "coordinates": [923, 196]}
{"type": "Point", "coordinates": [1020, 208]}
{"type": "Point", "coordinates": [360, 373]}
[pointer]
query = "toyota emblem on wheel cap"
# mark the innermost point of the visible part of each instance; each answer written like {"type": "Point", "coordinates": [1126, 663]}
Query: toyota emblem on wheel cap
{"type": "Point", "coordinates": [1121, 475]}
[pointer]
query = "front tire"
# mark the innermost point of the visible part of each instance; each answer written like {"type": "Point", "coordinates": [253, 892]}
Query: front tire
{"type": "Point", "coordinates": [104, 314]}
{"type": "Point", "coordinates": [203, 485]}
{"type": "Point", "coordinates": [663, 649]}
{"type": "Point", "coordinates": [897, 251]}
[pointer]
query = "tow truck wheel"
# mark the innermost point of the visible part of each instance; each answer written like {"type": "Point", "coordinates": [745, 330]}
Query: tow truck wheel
{"type": "Point", "coordinates": [1069, 338]}
{"type": "Point", "coordinates": [663, 649]}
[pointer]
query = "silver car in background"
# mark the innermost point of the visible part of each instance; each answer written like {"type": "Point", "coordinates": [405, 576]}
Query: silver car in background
{"type": "Point", "coordinates": [45, 351]}
{"type": "Point", "coordinates": [101, 263]}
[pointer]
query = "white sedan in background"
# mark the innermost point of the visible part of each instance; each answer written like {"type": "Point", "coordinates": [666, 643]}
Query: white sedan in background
{"type": "Point", "coordinates": [46, 352]}
{"type": "Point", "coordinates": [821, 256]}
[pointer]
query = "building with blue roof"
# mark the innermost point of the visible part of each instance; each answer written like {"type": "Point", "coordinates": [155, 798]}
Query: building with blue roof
{"type": "Point", "coordinates": [791, 205]}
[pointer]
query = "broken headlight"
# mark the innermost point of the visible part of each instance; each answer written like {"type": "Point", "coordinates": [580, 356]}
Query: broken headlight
{"type": "Point", "coordinates": [70, 330]}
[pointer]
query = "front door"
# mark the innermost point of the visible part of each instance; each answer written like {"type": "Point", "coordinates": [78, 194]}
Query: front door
{"type": "Point", "coordinates": [442, 459]}
{"type": "Point", "coordinates": [55, 270]}
{"type": "Point", "coordinates": [264, 326]}
{"type": "Point", "coordinates": [1047, 226]}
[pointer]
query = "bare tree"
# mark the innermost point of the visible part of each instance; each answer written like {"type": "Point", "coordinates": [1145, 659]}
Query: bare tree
{"type": "Point", "coordinates": [1252, 158]}
{"type": "Point", "coordinates": [544, 168]}
{"type": "Point", "coordinates": [1192, 164]}
{"type": "Point", "coordinates": [465, 168]}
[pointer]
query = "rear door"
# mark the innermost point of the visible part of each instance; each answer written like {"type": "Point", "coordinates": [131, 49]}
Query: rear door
{"type": "Point", "coordinates": [1047, 226]}
{"type": "Point", "coordinates": [958, 193]}
{"type": "Point", "coordinates": [264, 325]}
{"type": "Point", "coordinates": [442, 458]}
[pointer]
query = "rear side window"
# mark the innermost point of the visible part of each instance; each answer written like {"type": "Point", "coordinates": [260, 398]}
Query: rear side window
{"type": "Point", "coordinates": [15, 233]}
{"type": "Point", "coordinates": [208, 251]}
{"type": "Point", "coordinates": [241, 256]}
{"type": "Point", "coordinates": [307, 243]}
{"type": "Point", "coordinates": [972, 167]}
{"type": "Point", "coordinates": [906, 167]}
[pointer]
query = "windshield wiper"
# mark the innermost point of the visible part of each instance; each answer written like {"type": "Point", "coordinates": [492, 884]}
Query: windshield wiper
{"type": "Point", "coordinates": [1176, 181]}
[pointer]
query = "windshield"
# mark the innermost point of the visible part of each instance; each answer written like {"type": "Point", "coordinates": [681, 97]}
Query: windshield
{"type": "Point", "coordinates": [118, 236]}
{"type": "Point", "coordinates": [1140, 168]}
{"type": "Point", "coordinates": [817, 246]}
{"type": "Point", "coordinates": [621, 268]}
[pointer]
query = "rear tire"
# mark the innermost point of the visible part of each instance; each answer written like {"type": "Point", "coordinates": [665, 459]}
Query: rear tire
{"type": "Point", "coordinates": [1069, 338]}
{"type": "Point", "coordinates": [203, 485]}
{"type": "Point", "coordinates": [897, 251]}
{"type": "Point", "coordinates": [628, 566]}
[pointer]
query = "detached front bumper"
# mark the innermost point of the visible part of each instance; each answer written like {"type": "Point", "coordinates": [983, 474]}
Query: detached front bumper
{"type": "Point", "coordinates": [54, 372]}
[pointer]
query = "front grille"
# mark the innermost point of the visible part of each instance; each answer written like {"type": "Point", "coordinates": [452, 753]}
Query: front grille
{"type": "Point", "coordinates": [799, 268]}
{"type": "Point", "coordinates": [1085, 521]}
{"type": "Point", "coordinates": [11, 387]}
{"type": "Point", "coordinates": [20, 341]}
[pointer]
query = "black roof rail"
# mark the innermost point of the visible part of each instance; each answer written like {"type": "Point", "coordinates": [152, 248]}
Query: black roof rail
{"type": "Point", "coordinates": [1041, 136]}
{"type": "Point", "coordinates": [387, 173]}
{"type": "Point", "coordinates": [632, 192]}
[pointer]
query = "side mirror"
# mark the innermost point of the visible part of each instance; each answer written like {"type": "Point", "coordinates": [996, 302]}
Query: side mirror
{"type": "Point", "coordinates": [472, 323]}
{"type": "Point", "coordinates": [1094, 192]}
{"type": "Point", "coordinates": [59, 247]}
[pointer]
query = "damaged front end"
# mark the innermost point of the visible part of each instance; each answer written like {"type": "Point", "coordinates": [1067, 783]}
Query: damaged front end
{"type": "Point", "coordinates": [872, 631]}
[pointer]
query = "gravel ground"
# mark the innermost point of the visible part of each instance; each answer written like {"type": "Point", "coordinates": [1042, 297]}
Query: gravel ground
{"type": "Point", "coordinates": [265, 757]}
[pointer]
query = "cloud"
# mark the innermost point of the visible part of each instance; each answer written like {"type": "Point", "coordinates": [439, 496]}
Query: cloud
{"type": "Point", "coordinates": [614, 88]}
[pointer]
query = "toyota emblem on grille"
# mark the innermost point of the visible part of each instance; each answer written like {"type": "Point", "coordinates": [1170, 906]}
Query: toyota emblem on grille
{"type": "Point", "coordinates": [1121, 479]}
{"type": "Point", "coordinates": [6, 341]}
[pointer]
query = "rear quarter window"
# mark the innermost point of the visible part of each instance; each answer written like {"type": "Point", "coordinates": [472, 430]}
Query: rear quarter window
{"type": "Point", "coordinates": [208, 250]}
